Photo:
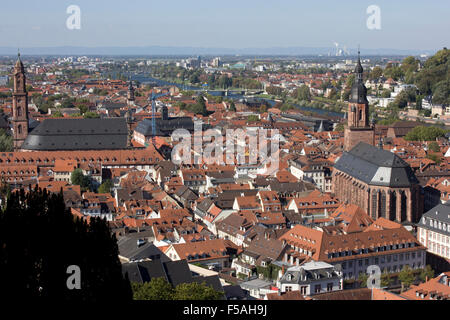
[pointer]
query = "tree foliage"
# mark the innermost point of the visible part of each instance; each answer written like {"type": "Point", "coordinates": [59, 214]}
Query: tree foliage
{"type": "Point", "coordinates": [435, 70]}
{"type": "Point", "coordinates": [6, 141]}
{"type": "Point", "coordinates": [302, 93]}
{"type": "Point", "coordinates": [362, 278]}
{"type": "Point", "coordinates": [406, 276]}
{"type": "Point", "coordinates": [78, 178]}
{"type": "Point", "coordinates": [426, 272]}
{"type": "Point", "coordinates": [196, 291]}
{"type": "Point", "coordinates": [106, 186]}
{"type": "Point", "coordinates": [199, 107]}
{"type": "Point", "coordinates": [422, 133]}
{"type": "Point", "coordinates": [156, 289]}
{"type": "Point", "coordinates": [34, 261]}
{"type": "Point", "coordinates": [160, 289]}
{"type": "Point", "coordinates": [434, 146]}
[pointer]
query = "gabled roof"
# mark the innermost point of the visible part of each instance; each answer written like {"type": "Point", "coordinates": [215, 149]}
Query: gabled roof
{"type": "Point", "coordinates": [376, 167]}
{"type": "Point", "coordinates": [78, 134]}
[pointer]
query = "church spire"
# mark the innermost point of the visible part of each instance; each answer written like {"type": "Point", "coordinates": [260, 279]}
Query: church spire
{"type": "Point", "coordinates": [20, 105]}
{"type": "Point", "coordinates": [358, 128]}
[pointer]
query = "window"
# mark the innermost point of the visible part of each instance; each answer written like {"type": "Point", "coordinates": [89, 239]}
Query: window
{"type": "Point", "coordinates": [303, 289]}
{"type": "Point", "coordinates": [330, 286]}
{"type": "Point", "coordinates": [317, 288]}
{"type": "Point", "coordinates": [288, 288]}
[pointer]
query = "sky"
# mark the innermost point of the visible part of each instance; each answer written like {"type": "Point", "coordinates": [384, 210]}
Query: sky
{"type": "Point", "coordinates": [405, 24]}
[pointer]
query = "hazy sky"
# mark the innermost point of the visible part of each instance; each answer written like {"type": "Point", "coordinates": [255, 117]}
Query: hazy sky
{"type": "Point", "coordinates": [405, 24]}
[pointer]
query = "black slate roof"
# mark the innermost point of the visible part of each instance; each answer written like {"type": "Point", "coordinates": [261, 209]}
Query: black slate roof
{"type": "Point", "coordinates": [78, 134]}
{"type": "Point", "coordinates": [440, 213]}
{"type": "Point", "coordinates": [164, 127]}
{"type": "Point", "coordinates": [375, 166]}
{"type": "Point", "coordinates": [128, 248]}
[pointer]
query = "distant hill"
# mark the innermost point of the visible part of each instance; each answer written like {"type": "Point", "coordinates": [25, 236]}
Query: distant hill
{"type": "Point", "coordinates": [158, 50]}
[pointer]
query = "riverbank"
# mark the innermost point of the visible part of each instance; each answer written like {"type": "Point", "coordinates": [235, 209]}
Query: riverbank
{"type": "Point", "coordinates": [270, 99]}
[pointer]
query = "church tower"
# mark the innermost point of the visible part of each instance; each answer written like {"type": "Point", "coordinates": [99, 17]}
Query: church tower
{"type": "Point", "coordinates": [130, 94]}
{"type": "Point", "coordinates": [358, 128]}
{"type": "Point", "coordinates": [20, 105]}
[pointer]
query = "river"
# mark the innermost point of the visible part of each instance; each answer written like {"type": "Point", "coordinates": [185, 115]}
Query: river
{"type": "Point", "coordinates": [159, 82]}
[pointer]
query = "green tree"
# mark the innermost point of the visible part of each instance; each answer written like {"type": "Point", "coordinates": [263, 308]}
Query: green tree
{"type": "Point", "coordinates": [441, 92]}
{"type": "Point", "coordinates": [303, 93]}
{"type": "Point", "coordinates": [426, 273]}
{"type": "Point", "coordinates": [262, 108]}
{"type": "Point", "coordinates": [36, 266]}
{"type": "Point", "coordinates": [252, 118]}
{"type": "Point", "coordinates": [83, 108]}
{"type": "Point", "coordinates": [376, 73]}
{"type": "Point", "coordinates": [410, 64]}
{"type": "Point", "coordinates": [232, 106]}
{"type": "Point", "coordinates": [91, 115]}
{"type": "Point", "coordinates": [156, 289]}
{"type": "Point", "coordinates": [78, 178]}
{"type": "Point", "coordinates": [276, 91]}
{"type": "Point", "coordinates": [106, 186]}
{"type": "Point", "coordinates": [160, 289]}
{"type": "Point", "coordinates": [434, 146]}
{"type": "Point", "coordinates": [57, 114]}
{"type": "Point", "coordinates": [386, 279]}
{"type": "Point", "coordinates": [6, 141]}
{"type": "Point", "coordinates": [340, 127]}
{"type": "Point", "coordinates": [199, 107]}
{"type": "Point", "coordinates": [394, 72]}
{"type": "Point", "coordinates": [406, 276]}
{"type": "Point", "coordinates": [435, 70]}
{"type": "Point", "coordinates": [362, 279]}
{"type": "Point", "coordinates": [422, 133]}
{"type": "Point", "coordinates": [196, 291]}
{"type": "Point", "coordinates": [436, 158]}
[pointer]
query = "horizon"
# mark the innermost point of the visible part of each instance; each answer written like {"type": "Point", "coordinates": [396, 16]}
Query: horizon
{"type": "Point", "coordinates": [236, 26]}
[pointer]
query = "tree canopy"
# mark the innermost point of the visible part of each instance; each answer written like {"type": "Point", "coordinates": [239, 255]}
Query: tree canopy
{"type": "Point", "coordinates": [40, 239]}
{"type": "Point", "coordinates": [105, 187]}
{"type": "Point", "coordinates": [422, 133]}
{"type": "Point", "coordinates": [78, 178]}
{"type": "Point", "coordinates": [6, 141]}
{"type": "Point", "coordinates": [160, 289]}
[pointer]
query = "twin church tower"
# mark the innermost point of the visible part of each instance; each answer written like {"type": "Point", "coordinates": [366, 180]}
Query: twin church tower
{"type": "Point", "coordinates": [20, 105]}
{"type": "Point", "coordinates": [358, 128]}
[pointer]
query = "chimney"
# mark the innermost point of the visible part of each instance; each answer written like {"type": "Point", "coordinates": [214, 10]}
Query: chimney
{"type": "Point", "coordinates": [282, 270]}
